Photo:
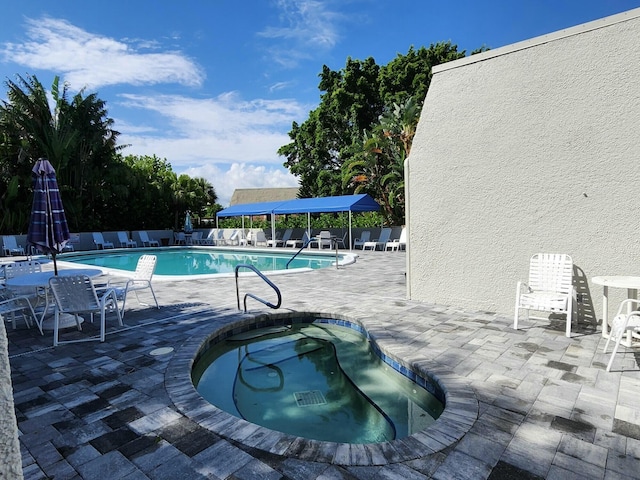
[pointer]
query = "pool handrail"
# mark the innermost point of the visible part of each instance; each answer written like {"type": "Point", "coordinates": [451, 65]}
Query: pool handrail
{"type": "Point", "coordinates": [304, 245]}
{"type": "Point", "coordinates": [312, 239]}
{"type": "Point", "coordinates": [255, 297]}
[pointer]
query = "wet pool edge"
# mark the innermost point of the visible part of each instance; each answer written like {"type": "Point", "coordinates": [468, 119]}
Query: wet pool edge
{"type": "Point", "coordinates": [459, 415]}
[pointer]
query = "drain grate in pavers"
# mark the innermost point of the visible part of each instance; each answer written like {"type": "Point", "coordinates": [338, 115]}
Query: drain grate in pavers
{"type": "Point", "coordinates": [310, 397]}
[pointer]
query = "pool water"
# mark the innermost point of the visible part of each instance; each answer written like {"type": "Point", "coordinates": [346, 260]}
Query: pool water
{"type": "Point", "coordinates": [192, 261]}
{"type": "Point", "coordinates": [314, 380]}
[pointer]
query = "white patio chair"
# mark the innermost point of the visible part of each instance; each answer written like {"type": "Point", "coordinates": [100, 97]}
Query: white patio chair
{"type": "Point", "coordinates": [323, 239]}
{"type": "Point", "coordinates": [11, 303]}
{"type": "Point", "coordinates": [10, 246]}
{"type": "Point", "coordinates": [146, 241]}
{"type": "Point", "coordinates": [141, 280]}
{"type": "Point", "coordinates": [623, 323]}
{"type": "Point", "coordinates": [549, 289]}
{"type": "Point", "coordinates": [196, 238]}
{"type": "Point", "coordinates": [76, 295]}
{"type": "Point", "coordinates": [179, 238]}
{"type": "Point", "coordinates": [381, 241]}
{"type": "Point", "coordinates": [364, 238]}
{"type": "Point", "coordinates": [125, 241]}
{"type": "Point", "coordinates": [398, 243]}
{"type": "Point", "coordinates": [342, 242]}
{"type": "Point", "coordinates": [15, 269]}
{"type": "Point", "coordinates": [100, 242]}
{"type": "Point", "coordinates": [258, 238]}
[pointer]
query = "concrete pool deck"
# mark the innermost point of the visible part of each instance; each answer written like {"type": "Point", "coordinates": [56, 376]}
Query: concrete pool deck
{"type": "Point", "coordinates": [547, 408]}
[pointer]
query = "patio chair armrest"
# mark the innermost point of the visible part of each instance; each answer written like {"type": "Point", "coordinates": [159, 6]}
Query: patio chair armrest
{"type": "Point", "coordinates": [524, 285]}
{"type": "Point", "coordinates": [16, 298]}
{"type": "Point", "coordinates": [625, 304]}
{"type": "Point", "coordinates": [107, 295]}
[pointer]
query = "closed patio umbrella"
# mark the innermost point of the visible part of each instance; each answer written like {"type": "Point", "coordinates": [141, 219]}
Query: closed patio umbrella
{"type": "Point", "coordinates": [48, 229]}
{"type": "Point", "coordinates": [188, 227]}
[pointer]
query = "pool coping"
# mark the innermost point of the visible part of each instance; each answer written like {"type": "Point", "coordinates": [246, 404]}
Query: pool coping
{"type": "Point", "coordinates": [460, 413]}
{"type": "Point", "coordinates": [347, 257]}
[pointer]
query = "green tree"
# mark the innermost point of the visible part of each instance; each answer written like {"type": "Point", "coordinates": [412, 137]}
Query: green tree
{"type": "Point", "coordinates": [101, 190]}
{"type": "Point", "coordinates": [357, 138]}
{"type": "Point", "coordinates": [75, 135]}
{"type": "Point", "coordinates": [378, 169]}
{"type": "Point", "coordinates": [349, 104]}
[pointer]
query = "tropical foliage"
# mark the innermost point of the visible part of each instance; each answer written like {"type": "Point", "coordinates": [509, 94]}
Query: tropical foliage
{"type": "Point", "coordinates": [101, 189]}
{"type": "Point", "coordinates": [358, 137]}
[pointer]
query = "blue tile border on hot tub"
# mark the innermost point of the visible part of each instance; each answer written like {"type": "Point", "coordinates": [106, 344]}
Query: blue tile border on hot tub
{"type": "Point", "coordinates": [459, 415]}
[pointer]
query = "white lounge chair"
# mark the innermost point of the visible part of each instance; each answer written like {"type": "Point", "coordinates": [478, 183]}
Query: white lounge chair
{"type": "Point", "coordinates": [76, 295]}
{"type": "Point", "coordinates": [626, 320]}
{"type": "Point", "coordinates": [146, 241]}
{"type": "Point", "coordinates": [210, 239]}
{"type": "Point", "coordinates": [364, 237]}
{"type": "Point", "coordinates": [381, 241]}
{"type": "Point", "coordinates": [219, 238]}
{"type": "Point", "coordinates": [299, 242]}
{"type": "Point", "coordinates": [280, 241]}
{"type": "Point", "coordinates": [74, 239]}
{"type": "Point", "coordinates": [141, 280]}
{"type": "Point", "coordinates": [100, 242]}
{"type": "Point", "coordinates": [10, 246]}
{"type": "Point", "coordinates": [233, 237]}
{"type": "Point", "coordinates": [125, 241]}
{"type": "Point", "coordinates": [398, 243]}
{"type": "Point", "coordinates": [549, 288]}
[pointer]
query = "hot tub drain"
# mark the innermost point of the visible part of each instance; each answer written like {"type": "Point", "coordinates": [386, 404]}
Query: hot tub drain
{"type": "Point", "coordinates": [310, 397]}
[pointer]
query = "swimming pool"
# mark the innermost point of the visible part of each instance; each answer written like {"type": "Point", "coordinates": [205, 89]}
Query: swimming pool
{"type": "Point", "coordinates": [318, 380]}
{"type": "Point", "coordinates": [182, 262]}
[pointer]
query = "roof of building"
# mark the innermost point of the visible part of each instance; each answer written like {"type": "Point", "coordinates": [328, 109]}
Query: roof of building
{"type": "Point", "coordinates": [255, 195]}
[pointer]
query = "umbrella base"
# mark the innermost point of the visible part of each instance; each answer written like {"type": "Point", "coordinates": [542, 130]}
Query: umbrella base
{"type": "Point", "coordinates": [66, 320]}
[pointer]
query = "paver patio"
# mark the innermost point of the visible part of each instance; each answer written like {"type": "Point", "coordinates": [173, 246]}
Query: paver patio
{"type": "Point", "coordinates": [547, 408]}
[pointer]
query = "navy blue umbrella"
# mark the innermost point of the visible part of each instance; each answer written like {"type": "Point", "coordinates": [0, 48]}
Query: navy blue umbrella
{"type": "Point", "coordinates": [48, 229]}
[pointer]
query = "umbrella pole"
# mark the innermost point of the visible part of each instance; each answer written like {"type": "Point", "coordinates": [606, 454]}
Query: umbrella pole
{"type": "Point", "coordinates": [55, 264]}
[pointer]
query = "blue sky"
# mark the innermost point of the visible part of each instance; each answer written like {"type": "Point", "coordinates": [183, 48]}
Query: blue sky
{"type": "Point", "coordinates": [213, 86]}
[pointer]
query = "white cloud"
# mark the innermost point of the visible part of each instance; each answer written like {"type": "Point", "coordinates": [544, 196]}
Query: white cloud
{"type": "Point", "coordinates": [94, 61]}
{"type": "Point", "coordinates": [308, 26]}
{"type": "Point", "coordinates": [224, 129]}
{"type": "Point", "coordinates": [231, 142]}
{"type": "Point", "coordinates": [241, 175]}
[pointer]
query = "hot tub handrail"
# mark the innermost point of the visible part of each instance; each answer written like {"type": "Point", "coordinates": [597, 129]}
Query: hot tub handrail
{"type": "Point", "coordinates": [255, 297]}
{"type": "Point", "coordinates": [304, 245]}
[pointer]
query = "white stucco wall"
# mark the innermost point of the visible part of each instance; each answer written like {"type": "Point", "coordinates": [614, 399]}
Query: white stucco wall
{"type": "Point", "coordinates": [10, 458]}
{"type": "Point", "coordinates": [533, 147]}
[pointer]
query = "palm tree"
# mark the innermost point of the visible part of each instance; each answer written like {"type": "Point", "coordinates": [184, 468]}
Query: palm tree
{"type": "Point", "coordinates": [76, 137]}
{"type": "Point", "coordinates": [378, 168]}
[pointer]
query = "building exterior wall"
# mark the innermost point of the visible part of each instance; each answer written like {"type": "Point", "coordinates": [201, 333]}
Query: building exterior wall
{"type": "Point", "coordinates": [534, 147]}
{"type": "Point", "coordinates": [11, 460]}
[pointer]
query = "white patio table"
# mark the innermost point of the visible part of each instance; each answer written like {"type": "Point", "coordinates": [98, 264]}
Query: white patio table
{"type": "Point", "coordinates": [40, 280]}
{"type": "Point", "coordinates": [631, 283]}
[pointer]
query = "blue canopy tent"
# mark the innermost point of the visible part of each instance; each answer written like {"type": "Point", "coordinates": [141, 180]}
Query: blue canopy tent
{"type": "Point", "coordinates": [342, 203]}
